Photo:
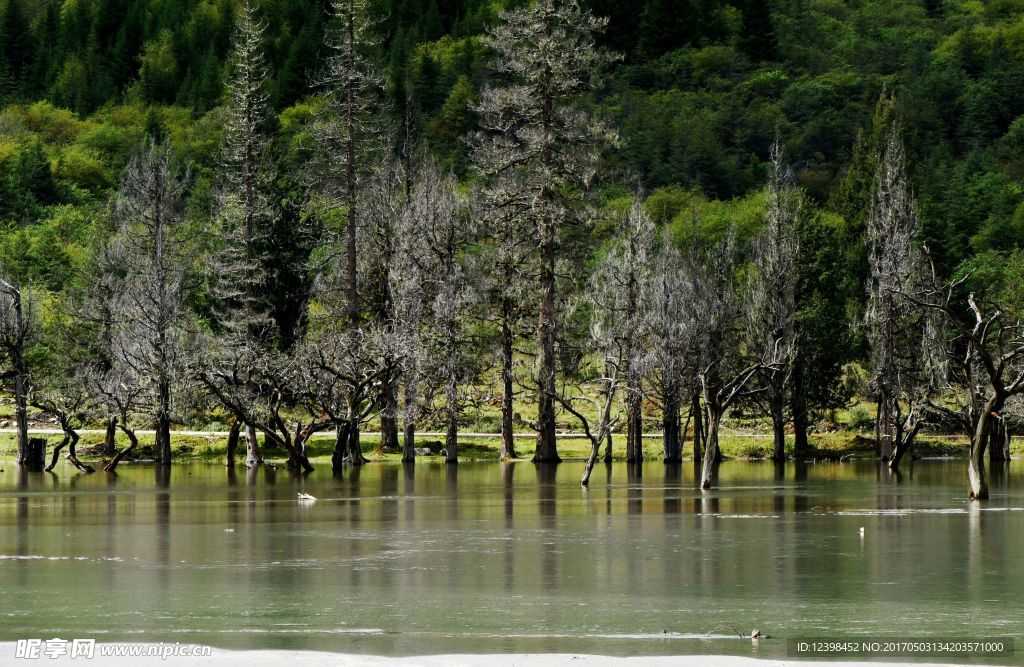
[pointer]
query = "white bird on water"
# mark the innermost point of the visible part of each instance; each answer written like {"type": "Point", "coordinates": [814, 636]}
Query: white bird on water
{"type": "Point", "coordinates": [862, 531]}
{"type": "Point", "coordinates": [306, 498]}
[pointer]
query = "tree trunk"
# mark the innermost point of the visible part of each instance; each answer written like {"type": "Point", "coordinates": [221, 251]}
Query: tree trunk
{"type": "Point", "coordinates": [355, 446]}
{"type": "Point", "coordinates": [56, 453]}
{"type": "Point", "coordinates": [72, 454]}
{"type": "Point", "coordinates": [508, 444]}
{"type": "Point", "coordinates": [883, 427]}
{"type": "Point", "coordinates": [670, 426]}
{"type": "Point", "coordinates": [133, 442]}
{"type": "Point", "coordinates": [409, 440]}
{"type": "Point", "coordinates": [232, 444]}
{"type": "Point", "coordinates": [976, 464]}
{"type": "Point", "coordinates": [778, 408]}
{"type": "Point", "coordinates": [451, 438]}
{"type": "Point", "coordinates": [21, 387]}
{"type": "Point", "coordinates": [70, 441]}
{"type": "Point", "coordinates": [21, 409]}
{"type": "Point", "coordinates": [634, 424]}
{"type": "Point", "coordinates": [340, 446]}
{"type": "Point", "coordinates": [712, 455]}
{"type": "Point", "coordinates": [998, 441]}
{"type": "Point", "coordinates": [35, 455]}
{"type": "Point", "coordinates": [389, 416]}
{"type": "Point", "coordinates": [801, 445]}
{"type": "Point", "coordinates": [162, 447]}
{"type": "Point", "coordinates": [110, 441]}
{"type": "Point", "coordinates": [904, 443]}
{"type": "Point", "coordinates": [409, 443]}
{"type": "Point", "coordinates": [253, 454]}
{"type": "Point", "coordinates": [698, 427]}
{"type": "Point", "coordinates": [547, 446]}
{"type": "Point", "coordinates": [595, 450]}
{"type": "Point", "coordinates": [297, 459]}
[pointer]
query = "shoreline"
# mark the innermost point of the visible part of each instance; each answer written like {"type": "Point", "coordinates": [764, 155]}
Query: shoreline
{"type": "Point", "coordinates": [211, 446]}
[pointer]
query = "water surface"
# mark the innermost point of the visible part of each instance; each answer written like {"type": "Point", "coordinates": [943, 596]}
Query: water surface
{"type": "Point", "coordinates": [485, 557]}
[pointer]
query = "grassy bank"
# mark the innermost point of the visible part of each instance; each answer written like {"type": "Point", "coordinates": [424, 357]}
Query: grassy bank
{"type": "Point", "coordinates": [211, 448]}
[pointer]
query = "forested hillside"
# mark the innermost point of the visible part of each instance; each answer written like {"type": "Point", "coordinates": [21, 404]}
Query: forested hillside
{"type": "Point", "coordinates": [681, 99]}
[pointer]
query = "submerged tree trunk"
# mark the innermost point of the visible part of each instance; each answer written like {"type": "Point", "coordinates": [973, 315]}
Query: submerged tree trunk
{"type": "Point", "coordinates": [162, 449]}
{"type": "Point", "coordinates": [508, 444]}
{"type": "Point", "coordinates": [634, 425]}
{"type": "Point", "coordinates": [884, 427]}
{"type": "Point", "coordinates": [253, 454]}
{"type": "Point", "coordinates": [451, 438]}
{"type": "Point", "coordinates": [340, 446]}
{"type": "Point", "coordinates": [904, 442]}
{"type": "Point", "coordinates": [712, 455]}
{"type": "Point", "coordinates": [999, 440]}
{"type": "Point", "coordinates": [801, 445]}
{"type": "Point", "coordinates": [133, 442]}
{"type": "Point", "coordinates": [778, 408]}
{"type": "Point", "coordinates": [110, 441]}
{"type": "Point", "coordinates": [547, 446]}
{"type": "Point", "coordinates": [56, 453]}
{"type": "Point", "coordinates": [72, 454]}
{"type": "Point", "coordinates": [232, 444]}
{"type": "Point", "coordinates": [355, 445]}
{"type": "Point", "coordinates": [70, 441]}
{"type": "Point", "coordinates": [409, 443]}
{"type": "Point", "coordinates": [409, 436]}
{"type": "Point", "coordinates": [21, 409]}
{"type": "Point", "coordinates": [595, 450]}
{"type": "Point", "coordinates": [672, 440]}
{"type": "Point", "coordinates": [35, 454]}
{"type": "Point", "coordinates": [16, 352]}
{"type": "Point", "coordinates": [389, 416]}
{"type": "Point", "coordinates": [979, 440]}
{"type": "Point", "coordinates": [698, 427]}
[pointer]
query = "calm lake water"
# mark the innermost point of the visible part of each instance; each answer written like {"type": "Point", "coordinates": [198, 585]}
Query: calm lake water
{"type": "Point", "coordinates": [485, 558]}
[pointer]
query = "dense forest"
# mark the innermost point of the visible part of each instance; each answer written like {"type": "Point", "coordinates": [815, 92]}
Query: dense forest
{"type": "Point", "coordinates": [312, 215]}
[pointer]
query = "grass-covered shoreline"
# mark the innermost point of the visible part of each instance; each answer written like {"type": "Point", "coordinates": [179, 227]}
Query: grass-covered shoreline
{"type": "Point", "coordinates": [212, 448]}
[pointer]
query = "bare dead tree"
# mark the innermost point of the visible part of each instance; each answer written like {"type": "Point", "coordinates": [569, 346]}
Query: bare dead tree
{"type": "Point", "coordinates": [899, 380]}
{"type": "Point", "coordinates": [434, 236]}
{"type": "Point", "coordinates": [621, 301]}
{"type": "Point", "coordinates": [672, 349]}
{"type": "Point", "coordinates": [772, 309]}
{"type": "Point", "coordinates": [725, 369]}
{"type": "Point", "coordinates": [19, 331]}
{"type": "Point", "coordinates": [336, 374]}
{"type": "Point", "coordinates": [408, 290]}
{"type": "Point", "coordinates": [147, 312]}
{"type": "Point", "coordinates": [536, 144]}
{"type": "Point", "coordinates": [985, 345]}
{"type": "Point", "coordinates": [384, 201]}
{"type": "Point", "coordinates": [123, 394]}
{"type": "Point", "coordinates": [600, 393]}
{"type": "Point", "coordinates": [67, 397]}
{"type": "Point", "coordinates": [507, 269]}
{"type": "Point", "coordinates": [89, 309]}
{"type": "Point", "coordinates": [342, 363]}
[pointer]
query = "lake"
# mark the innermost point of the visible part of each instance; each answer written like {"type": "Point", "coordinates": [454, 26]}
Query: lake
{"type": "Point", "coordinates": [485, 557]}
